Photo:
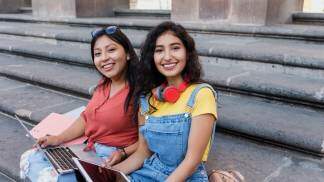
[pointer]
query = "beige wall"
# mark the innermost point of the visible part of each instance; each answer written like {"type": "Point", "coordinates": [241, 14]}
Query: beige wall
{"type": "Point", "coordinates": [314, 6]}
{"type": "Point", "coordinates": [150, 4]}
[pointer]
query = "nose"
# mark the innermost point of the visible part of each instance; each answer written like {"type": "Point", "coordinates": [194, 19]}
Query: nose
{"type": "Point", "coordinates": [104, 56]}
{"type": "Point", "coordinates": [167, 55]}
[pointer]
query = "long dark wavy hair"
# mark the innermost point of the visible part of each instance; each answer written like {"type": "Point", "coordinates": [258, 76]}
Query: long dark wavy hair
{"type": "Point", "coordinates": [150, 77]}
{"type": "Point", "coordinates": [131, 66]}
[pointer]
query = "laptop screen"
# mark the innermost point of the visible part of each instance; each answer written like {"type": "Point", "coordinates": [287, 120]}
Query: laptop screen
{"type": "Point", "coordinates": [93, 172]}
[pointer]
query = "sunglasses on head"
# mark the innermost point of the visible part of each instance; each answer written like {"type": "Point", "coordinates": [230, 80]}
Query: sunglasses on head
{"type": "Point", "coordinates": [109, 30]}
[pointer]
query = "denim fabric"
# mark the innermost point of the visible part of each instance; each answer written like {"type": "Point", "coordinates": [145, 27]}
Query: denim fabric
{"type": "Point", "coordinates": [35, 166]}
{"type": "Point", "coordinates": [167, 137]}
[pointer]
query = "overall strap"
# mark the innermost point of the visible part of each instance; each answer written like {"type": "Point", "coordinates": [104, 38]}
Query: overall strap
{"type": "Point", "coordinates": [144, 104]}
{"type": "Point", "coordinates": [191, 100]}
{"type": "Point", "coordinates": [191, 103]}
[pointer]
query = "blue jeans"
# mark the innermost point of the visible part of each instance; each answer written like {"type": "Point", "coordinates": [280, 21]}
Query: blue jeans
{"type": "Point", "coordinates": [35, 166]}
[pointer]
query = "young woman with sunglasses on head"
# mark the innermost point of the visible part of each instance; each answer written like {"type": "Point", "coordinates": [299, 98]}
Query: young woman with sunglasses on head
{"type": "Point", "coordinates": [177, 110]}
{"type": "Point", "coordinates": [107, 119]}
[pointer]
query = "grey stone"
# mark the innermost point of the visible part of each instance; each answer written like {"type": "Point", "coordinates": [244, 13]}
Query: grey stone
{"type": "Point", "coordinates": [39, 102]}
{"type": "Point", "coordinates": [275, 51]}
{"type": "Point", "coordinates": [64, 77]}
{"type": "Point", "coordinates": [261, 118]}
{"type": "Point", "coordinates": [5, 178]}
{"type": "Point", "coordinates": [259, 162]}
{"type": "Point", "coordinates": [147, 13]}
{"type": "Point", "coordinates": [76, 8]}
{"type": "Point", "coordinates": [279, 85]}
{"type": "Point", "coordinates": [9, 6]}
{"type": "Point", "coordinates": [286, 31]}
{"type": "Point", "coordinates": [308, 18]}
{"type": "Point", "coordinates": [13, 142]}
{"type": "Point", "coordinates": [290, 125]}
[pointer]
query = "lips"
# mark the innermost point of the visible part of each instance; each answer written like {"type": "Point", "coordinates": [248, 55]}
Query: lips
{"type": "Point", "coordinates": [108, 67]}
{"type": "Point", "coordinates": [169, 66]}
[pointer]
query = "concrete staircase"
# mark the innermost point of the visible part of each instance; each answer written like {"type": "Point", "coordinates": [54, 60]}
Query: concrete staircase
{"type": "Point", "coordinates": [270, 81]}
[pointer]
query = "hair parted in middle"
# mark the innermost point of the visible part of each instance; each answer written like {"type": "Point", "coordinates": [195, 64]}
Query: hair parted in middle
{"type": "Point", "coordinates": [149, 76]}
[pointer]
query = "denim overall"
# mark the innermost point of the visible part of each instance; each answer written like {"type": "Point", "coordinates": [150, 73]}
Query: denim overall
{"type": "Point", "coordinates": [167, 137]}
{"type": "Point", "coordinates": [34, 166]}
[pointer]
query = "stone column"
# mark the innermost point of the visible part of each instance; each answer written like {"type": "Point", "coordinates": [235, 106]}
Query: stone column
{"type": "Point", "coordinates": [248, 11]}
{"type": "Point", "coordinates": [195, 10]}
{"type": "Point", "coordinates": [251, 12]}
{"type": "Point", "coordinates": [263, 12]}
{"type": "Point", "coordinates": [26, 3]}
{"type": "Point", "coordinates": [77, 8]}
{"type": "Point", "coordinates": [280, 11]}
{"type": "Point", "coordinates": [9, 6]}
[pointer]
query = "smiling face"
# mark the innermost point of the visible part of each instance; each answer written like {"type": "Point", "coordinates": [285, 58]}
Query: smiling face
{"type": "Point", "coordinates": [170, 56]}
{"type": "Point", "coordinates": [110, 58]}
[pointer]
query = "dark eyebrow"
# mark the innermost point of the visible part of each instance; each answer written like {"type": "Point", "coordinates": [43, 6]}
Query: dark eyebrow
{"type": "Point", "coordinates": [176, 43]}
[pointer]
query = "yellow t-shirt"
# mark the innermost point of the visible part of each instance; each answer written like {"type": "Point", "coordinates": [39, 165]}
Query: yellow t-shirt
{"type": "Point", "coordinates": [205, 102]}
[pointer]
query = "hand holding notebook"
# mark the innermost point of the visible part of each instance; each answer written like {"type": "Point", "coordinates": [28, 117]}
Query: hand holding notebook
{"type": "Point", "coordinates": [54, 124]}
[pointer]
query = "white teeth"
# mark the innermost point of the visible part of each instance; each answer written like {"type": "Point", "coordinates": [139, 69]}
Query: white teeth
{"type": "Point", "coordinates": [169, 65]}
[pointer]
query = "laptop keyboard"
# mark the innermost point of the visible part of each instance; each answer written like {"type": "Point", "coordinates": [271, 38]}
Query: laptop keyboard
{"type": "Point", "coordinates": [61, 158]}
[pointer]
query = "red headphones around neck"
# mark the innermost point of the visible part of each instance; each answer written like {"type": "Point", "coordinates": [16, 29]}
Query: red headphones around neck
{"type": "Point", "coordinates": [169, 93]}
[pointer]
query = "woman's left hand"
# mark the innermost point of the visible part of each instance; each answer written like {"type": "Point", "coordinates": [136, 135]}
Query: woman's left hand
{"type": "Point", "coordinates": [116, 157]}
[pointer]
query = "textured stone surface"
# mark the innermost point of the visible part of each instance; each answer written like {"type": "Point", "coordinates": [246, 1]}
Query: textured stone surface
{"type": "Point", "coordinates": [13, 143]}
{"type": "Point", "coordinates": [278, 122]}
{"type": "Point", "coordinates": [64, 77]}
{"type": "Point", "coordinates": [256, 49]}
{"type": "Point", "coordinates": [286, 31]}
{"type": "Point", "coordinates": [76, 8]}
{"type": "Point", "coordinates": [9, 6]}
{"type": "Point", "coordinates": [260, 162]}
{"type": "Point", "coordinates": [36, 102]}
{"type": "Point", "coordinates": [261, 118]}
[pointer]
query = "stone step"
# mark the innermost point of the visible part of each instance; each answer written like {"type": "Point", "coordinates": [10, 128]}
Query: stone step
{"type": "Point", "coordinates": [62, 77]}
{"type": "Point", "coordinates": [249, 78]}
{"type": "Point", "coordinates": [288, 125]}
{"type": "Point", "coordinates": [308, 18]}
{"type": "Point", "coordinates": [287, 31]}
{"type": "Point", "coordinates": [293, 87]}
{"type": "Point", "coordinates": [147, 13]}
{"type": "Point", "coordinates": [255, 117]}
{"type": "Point", "coordinates": [259, 162]}
{"type": "Point", "coordinates": [13, 143]}
{"type": "Point", "coordinates": [6, 178]}
{"type": "Point", "coordinates": [251, 49]}
{"type": "Point", "coordinates": [256, 161]}
{"type": "Point", "coordinates": [35, 102]}
{"type": "Point", "coordinates": [26, 10]}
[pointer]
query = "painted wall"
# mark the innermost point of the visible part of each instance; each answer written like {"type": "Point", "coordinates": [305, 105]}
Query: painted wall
{"type": "Point", "coordinates": [150, 4]}
{"type": "Point", "coordinates": [314, 6]}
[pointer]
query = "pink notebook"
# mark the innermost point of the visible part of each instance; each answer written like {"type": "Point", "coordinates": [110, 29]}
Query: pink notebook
{"type": "Point", "coordinates": [55, 124]}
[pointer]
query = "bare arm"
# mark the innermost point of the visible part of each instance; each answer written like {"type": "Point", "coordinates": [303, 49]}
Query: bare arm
{"type": "Point", "coordinates": [118, 155]}
{"type": "Point", "coordinates": [200, 132]}
{"type": "Point", "coordinates": [75, 130]}
{"type": "Point", "coordinates": [136, 160]}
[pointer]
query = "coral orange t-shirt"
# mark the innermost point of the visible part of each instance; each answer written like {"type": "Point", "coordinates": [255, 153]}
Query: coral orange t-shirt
{"type": "Point", "coordinates": [106, 121]}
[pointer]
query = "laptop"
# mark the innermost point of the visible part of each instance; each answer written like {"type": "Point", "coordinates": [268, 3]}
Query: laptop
{"type": "Point", "coordinates": [95, 173]}
{"type": "Point", "coordinates": [60, 156]}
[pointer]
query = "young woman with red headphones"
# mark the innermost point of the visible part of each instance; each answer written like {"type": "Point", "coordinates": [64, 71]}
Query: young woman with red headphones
{"type": "Point", "coordinates": [177, 111]}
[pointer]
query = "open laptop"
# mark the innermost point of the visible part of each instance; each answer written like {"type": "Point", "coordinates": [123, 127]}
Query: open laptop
{"type": "Point", "coordinates": [95, 173]}
{"type": "Point", "coordinates": [61, 157]}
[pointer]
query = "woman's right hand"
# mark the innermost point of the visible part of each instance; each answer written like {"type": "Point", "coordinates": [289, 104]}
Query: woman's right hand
{"type": "Point", "coordinates": [49, 140]}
